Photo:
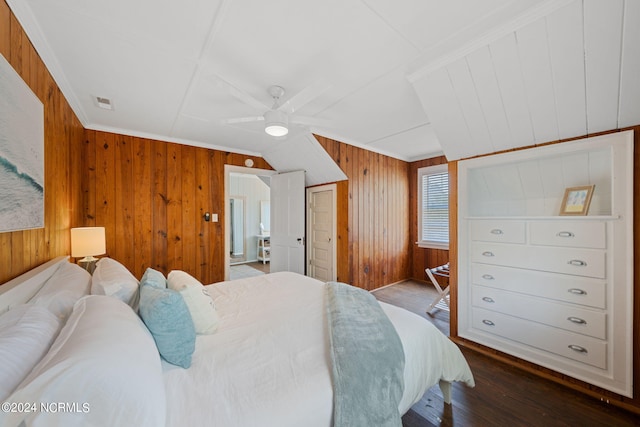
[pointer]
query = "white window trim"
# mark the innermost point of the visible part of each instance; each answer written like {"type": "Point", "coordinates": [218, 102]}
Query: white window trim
{"type": "Point", "coordinates": [428, 170]}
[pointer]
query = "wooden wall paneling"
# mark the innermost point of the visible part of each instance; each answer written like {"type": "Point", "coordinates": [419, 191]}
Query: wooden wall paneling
{"type": "Point", "coordinates": [359, 197]}
{"type": "Point", "coordinates": [15, 53]}
{"type": "Point", "coordinates": [105, 189]}
{"type": "Point", "coordinates": [143, 216]}
{"type": "Point", "coordinates": [23, 250]}
{"type": "Point", "coordinates": [88, 180]}
{"type": "Point", "coordinates": [343, 267]}
{"type": "Point", "coordinates": [60, 155]}
{"type": "Point", "coordinates": [393, 218]}
{"type": "Point", "coordinates": [159, 204]}
{"type": "Point", "coordinates": [217, 205]}
{"type": "Point", "coordinates": [5, 29]}
{"type": "Point", "coordinates": [385, 209]}
{"type": "Point", "coordinates": [202, 196]}
{"type": "Point", "coordinates": [35, 239]}
{"type": "Point", "coordinates": [377, 221]}
{"type": "Point", "coordinates": [124, 201]}
{"type": "Point", "coordinates": [174, 207]}
{"type": "Point", "coordinates": [190, 216]}
{"type": "Point", "coordinates": [368, 219]}
{"type": "Point", "coordinates": [51, 193]}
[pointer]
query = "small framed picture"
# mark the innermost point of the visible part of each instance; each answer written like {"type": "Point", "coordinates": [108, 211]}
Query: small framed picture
{"type": "Point", "coordinates": [576, 200]}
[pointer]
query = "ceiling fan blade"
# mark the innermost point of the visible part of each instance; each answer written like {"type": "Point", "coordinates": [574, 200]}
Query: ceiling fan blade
{"type": "Point", "coordinates": [305, 96]}
{"type": "Point", "coordinates": [239, 94]}
{"type": "Point", "coordinates": [309, 121]}
{"type": "Point", "coordinates": [234, 120]}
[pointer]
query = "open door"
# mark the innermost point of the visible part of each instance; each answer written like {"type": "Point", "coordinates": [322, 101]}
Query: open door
{"type": "Point", "coordinates": [287, 222]}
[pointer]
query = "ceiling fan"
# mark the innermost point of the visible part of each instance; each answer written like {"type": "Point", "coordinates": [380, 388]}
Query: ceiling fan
{"type": "Point", "coordinates": [280, 115]}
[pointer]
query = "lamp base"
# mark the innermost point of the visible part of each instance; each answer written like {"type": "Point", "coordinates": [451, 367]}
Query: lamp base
{"type": "Point", "coordinates": [88, 263]}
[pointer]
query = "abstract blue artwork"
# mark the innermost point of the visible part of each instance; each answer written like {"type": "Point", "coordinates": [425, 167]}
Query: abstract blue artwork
{"type": "Point", "coordinates": [21, 153]}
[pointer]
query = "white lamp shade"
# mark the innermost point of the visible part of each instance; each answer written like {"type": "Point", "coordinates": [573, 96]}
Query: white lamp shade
{"type": "Point", "coordinates": [87, 241]}
{"type": "Point", "coordinates": [275, 123]}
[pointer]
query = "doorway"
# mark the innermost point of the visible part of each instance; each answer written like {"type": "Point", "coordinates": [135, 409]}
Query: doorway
{"type": "Point", "coordinates": [321, 232]}
{"type": "Point", "coordinates": [247, 195]}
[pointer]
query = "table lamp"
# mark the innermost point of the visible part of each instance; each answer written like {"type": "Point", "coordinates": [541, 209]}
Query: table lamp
{"type": "Point", "coordinates": [87, 242]}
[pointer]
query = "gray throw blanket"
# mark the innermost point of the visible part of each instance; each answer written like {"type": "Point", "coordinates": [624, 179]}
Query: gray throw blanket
{"type": "Point", "coordinates": [367, 358]}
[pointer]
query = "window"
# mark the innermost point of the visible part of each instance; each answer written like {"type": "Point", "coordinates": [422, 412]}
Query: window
{"type": "Point", "coordinates": [433, 207]}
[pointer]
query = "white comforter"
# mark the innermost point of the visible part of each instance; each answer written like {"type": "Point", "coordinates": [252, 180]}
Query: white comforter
{"type": "Point", "coordinates": [268, 364]}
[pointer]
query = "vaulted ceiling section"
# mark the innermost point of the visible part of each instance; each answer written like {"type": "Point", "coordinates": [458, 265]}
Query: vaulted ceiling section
{"type": "Point", "coordinates": [408, 78]}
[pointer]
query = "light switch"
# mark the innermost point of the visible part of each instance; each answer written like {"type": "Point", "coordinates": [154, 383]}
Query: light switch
{"type": "Point", "coordinates": [214, 217]}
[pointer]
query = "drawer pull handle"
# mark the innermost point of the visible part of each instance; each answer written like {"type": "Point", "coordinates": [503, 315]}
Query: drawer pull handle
{"type": "Point", "coordinates": [578, 348]}
{"type": "Point", "coordinates": [565, 234]}
{"type": "Point", "coordinates": [487, 299]}
{"type": "Point", "coordinates": [577, 320]}
{"type": "Point", "coordinates": [577, 263]}
{"type": "Point", "coordinates": [488, 322]}
{"type": "Point", "coordinates": [577, 291]}
{"type": "Point", "coordinates": [487, 253]}
{"type": "Point", "coordinates": [496, 231]}
{"type": "Point", "coordinates": [487, 277]}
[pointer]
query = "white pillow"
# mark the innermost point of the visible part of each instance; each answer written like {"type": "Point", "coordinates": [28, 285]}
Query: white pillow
{"type": "Point", "coordinates": [67, 284]}
{"type": "Point", "coordinates": [112, 279]}
{"type": "Point", "coordinates": [104, 364]}
{"type": "Point", "coordinates": [195, 295]}
{"type": "Point", "coordinates": [26, 333]}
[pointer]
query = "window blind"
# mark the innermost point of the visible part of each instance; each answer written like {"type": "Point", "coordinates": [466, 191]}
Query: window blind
{"type": "Point", "coordinates": [435, 208]}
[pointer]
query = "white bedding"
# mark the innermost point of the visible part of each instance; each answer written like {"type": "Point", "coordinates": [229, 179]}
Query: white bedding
{"type": "Point", "coordinates": [268, 364]}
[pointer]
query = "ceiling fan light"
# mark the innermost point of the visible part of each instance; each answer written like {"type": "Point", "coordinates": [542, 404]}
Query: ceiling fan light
{"type": "Point", "coordinates": [275, 123]}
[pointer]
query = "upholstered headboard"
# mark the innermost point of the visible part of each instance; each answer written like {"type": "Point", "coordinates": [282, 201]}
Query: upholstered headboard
{"type": "Point", "coordinates": [22, 288]}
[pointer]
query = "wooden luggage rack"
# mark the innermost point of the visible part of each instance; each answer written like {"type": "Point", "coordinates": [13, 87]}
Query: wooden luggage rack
{"type": "Point", "coordinates": [442, 301]}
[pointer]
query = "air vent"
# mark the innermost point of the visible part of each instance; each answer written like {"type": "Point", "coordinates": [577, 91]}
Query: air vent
{"type": "Point", "coordinates": [104, 103]}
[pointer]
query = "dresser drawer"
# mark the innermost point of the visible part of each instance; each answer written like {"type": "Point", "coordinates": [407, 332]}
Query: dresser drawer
{"type": "Point", "coordinates": [567, 344]}
{"type": "Point", "coordinates": [578, 262]}
{"type": "Point", "coordinates": [561, 287]}
{"type": "Point", "coordinates": [569, 234]}
{"type": "Point", "coordinates": [568, 317]}
{"type": "Point", "coordinates": [498, 231]}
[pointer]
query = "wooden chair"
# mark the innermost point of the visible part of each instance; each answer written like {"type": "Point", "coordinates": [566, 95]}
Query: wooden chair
{"type": "Point", "coordinates": [442, 301]}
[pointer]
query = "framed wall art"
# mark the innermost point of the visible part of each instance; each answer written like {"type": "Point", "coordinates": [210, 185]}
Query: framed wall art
{"type": "Point", "coordinates": [21, 153]}
{"type": "Point", "coordinates": [576, 200]}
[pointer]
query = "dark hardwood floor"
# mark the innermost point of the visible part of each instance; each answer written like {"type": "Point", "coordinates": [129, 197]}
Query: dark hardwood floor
{"type": "Point", "coordinates": [503, 395]}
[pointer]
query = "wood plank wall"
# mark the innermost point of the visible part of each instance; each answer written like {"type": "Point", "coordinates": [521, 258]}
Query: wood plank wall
{"type": "Point", "coordinates": [23, 250]}
{"type": "Point", "coordinates": [625, 402]}
{"type": "Point", "coordinates": [422, 257]}
{"type": "Point", "coordinates": [151, 197]}
{"type": "Point", "coordinates": [373, 219]}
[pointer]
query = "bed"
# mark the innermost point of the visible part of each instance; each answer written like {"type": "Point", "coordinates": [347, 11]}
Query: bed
{"type": "Point", "coordinates": [268, 362]}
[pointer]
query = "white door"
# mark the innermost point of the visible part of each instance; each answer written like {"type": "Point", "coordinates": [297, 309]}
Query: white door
{"type": "Point", "coordinates": [321, 233]}
{"type": "Point", "coordinates": [287, 222]}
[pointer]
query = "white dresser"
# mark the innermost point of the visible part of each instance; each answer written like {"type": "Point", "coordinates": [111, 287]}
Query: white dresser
{"type": "Point", "coordinates": [553, 290]}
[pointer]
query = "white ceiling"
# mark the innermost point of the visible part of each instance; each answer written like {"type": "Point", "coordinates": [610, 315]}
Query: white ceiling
{"type": "Point", "coordinates": [407, 78]}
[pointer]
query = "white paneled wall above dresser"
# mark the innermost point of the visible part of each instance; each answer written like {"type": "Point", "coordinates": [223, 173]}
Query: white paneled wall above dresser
{"type": "Point", "coordinates": [553, 290]}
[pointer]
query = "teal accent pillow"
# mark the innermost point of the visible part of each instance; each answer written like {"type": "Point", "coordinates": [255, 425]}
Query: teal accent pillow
{"type": "Point", "coordinates": [167, 317]}
{"type": "Point", "coordinates": [153, 278]}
